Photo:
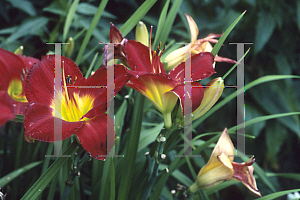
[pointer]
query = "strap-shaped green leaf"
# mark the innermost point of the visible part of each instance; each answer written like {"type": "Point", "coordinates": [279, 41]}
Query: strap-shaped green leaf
{"type": "Point", "coordinates": [277, 194]}
{"type": "Point", "coordinates": [258, 81]}
{"type": "Point", "coordinates": [90, 30]}
{"type": "Point", "coordinates": [294, 176]}
{"type": "Point", "coordinates": [69, 19]}
{"type": "Point", "coordinates": [222, 39]}
{"type": "Point", "coordinates": [47, 177]}
{"type": "Point", "coordinates": [169, 21]}
{"type": "Point", "coordinates": [12, 175]}
{"type": "Point", "coordinates": [161, 24]}
{"type": "Point", "coordinates": [264, 118]}
{"type": "Point", "coordinates": [132, 147]}
{"type": "Point", "coordinates": [88, 72]}
{"type": "Point", "coordinates": [107, 188]}
{"type": "Point", "coordinates": [136, 17]}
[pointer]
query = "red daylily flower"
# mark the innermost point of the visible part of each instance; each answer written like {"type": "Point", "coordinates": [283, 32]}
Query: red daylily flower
{"type": "Point", "coordinates": [150, 78]}
{"type": "Point", "coordinates": [162, 89]}
{"type": "Point", "coordinates": [82, 109]}
{"type": "Point", "coordinates": [13, 71]}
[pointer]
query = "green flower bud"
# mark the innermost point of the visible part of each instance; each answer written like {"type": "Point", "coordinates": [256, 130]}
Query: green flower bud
{"type": "Point", "coordinates": [141, 34]}
{"type": "Point", "coordinates": [19, 50]}
{"type": "Point", "coordinates": [69, 48]}
{"type": "Point", "coordinates": [211, 96]}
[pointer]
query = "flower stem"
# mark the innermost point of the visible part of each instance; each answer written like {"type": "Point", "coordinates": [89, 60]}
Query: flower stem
{"type": "Point", "coordinates": [193, 188]}
{"type": "Point", "coordinates": [75, 171]}
{"type": "Point", "coordinates": [167, 120]}
{"type": "Point", "coordinates": [154, 158]}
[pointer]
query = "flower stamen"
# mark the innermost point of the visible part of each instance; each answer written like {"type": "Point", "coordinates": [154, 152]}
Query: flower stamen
{"type": "Point", "coordinates": [73, 105]}
{"type": "Point", "coordinates": [150, 46]}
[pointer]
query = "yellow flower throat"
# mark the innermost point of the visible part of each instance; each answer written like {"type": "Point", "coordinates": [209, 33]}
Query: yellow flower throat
{"type": "Point", "coordinates": [73, 106]}
{"type": "Point", "coordinates": [15, 88]}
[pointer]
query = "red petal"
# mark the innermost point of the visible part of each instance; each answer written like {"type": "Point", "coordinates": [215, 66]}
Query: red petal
{"type": "Point", "coordinates": [6, 108]}
{"type": "Point", "coordinates": [39, 124]}
{"type": "Point", "coordinates": [92, 136]}
{"type": "Point", "coordinates": [153, 86]}
{"type": "Point", "coordinates": [222, 59]}
{"type": "Point", "coordinates": [138, 58]}
{"type": "Point", "coordinates": [19, 108]}
{"type": "Point", "coordinates": [28, 61]}
{"type": "Point", "coordinates": [201, 64]}
{"type": "Point", "coordinates": [99, 100]}
{"type": "Point", "coordinates": [11, 68]}
{"type": "Point", "coordinates": [69, 66]}
{"type": "Point", "coordinates": [115, 36]}
{"type": "Point", "coordinates": [146, 81]}
{"type": "Point", "coordinates": [100, 94]}
{"type": "Point", "coordinates": [197, 95]}
{"type": "Point", "coordinates": [100, 79]}
{"type": "Point", "coordinates": [39, 85]}
{"type": "Point", "coordinates": [121, 77]}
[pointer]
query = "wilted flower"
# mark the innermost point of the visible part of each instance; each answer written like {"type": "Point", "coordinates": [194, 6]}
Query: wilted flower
{"type": "Point", "coordinates": [221, 167]}
{"type": "Point", "coordinates": [197, 46]}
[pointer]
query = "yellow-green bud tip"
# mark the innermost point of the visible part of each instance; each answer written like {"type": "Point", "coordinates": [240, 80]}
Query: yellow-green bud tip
{"type": "Point", "coordinates": [69, 48]}
{"type": "Point", "coordinates": [211, 95]}
{"type": "Point", "coordinates": [141, 33]}
{"type": "Point", "coordinates": [19, 50]}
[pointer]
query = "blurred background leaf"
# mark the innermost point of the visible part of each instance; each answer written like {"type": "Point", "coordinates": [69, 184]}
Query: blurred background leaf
{"type": "Point", "coordinates": [270, 25]}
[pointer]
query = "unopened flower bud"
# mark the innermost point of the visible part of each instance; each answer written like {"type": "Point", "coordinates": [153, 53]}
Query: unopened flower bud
{"type": "Point", "coordinates": [69, 48]}
{"type": "Point", "coordinates": [211, 95]}
{"type": "Point", "coordinates": [141, 34]}
{"type": "Point", "coordinates": [174, 58]}
{"type": "Point", "coordinates": [117, 139]}
{"type": "Point", "coordinates": [19, 50]}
